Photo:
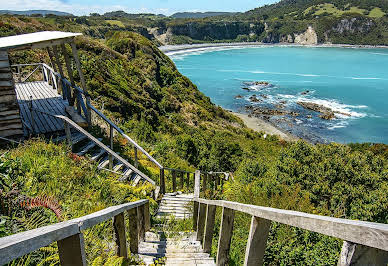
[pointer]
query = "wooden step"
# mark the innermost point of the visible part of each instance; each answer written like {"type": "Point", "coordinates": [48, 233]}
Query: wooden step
{"type": "Point", "coordinates": [96, 156]}
{"type": "Point", "coordinates": [90, 145]}
{"type": "Point", "coordinates": [117, 167]}
{"type": "Point", "coordinates": [104, 162]}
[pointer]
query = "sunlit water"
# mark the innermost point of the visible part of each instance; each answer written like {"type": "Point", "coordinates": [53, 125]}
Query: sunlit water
{"type": "Point", "coordinates": [351, 81]}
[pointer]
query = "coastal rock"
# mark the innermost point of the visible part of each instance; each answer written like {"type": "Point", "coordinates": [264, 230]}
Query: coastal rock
{"type": "Point", "coordinates": [238, 97]}
{"type": "Point", "coordinates": [305, 92]}
{"type": "Point", "coordinates": [254, 99]}
{"type": "Point", "coordinates": [259, 84]}
{"type": "Point", "coordinates": [264, 96]}
{"type": "Point", "coordinates": [326, 113]}
{"type": "Point", "coordinates": [266, 113]}
{"type": "Point", "coordinates": [309, 37]}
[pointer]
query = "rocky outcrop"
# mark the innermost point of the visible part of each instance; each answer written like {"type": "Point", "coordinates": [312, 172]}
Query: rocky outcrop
{"type": "Point", "coordinates": [326, 113]}
{"type": "Point", "coordinates": [309, 37]}
{"type": "Point", "coordinates": [266, 112]}
{"type": "Point", "coordinates": [353, 25]}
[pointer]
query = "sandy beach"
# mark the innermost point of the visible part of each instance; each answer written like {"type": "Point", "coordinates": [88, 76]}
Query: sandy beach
{"type": "Point", "coordinates": [260, 125]}
{"type": "Point", "coordinates": [169, 49]}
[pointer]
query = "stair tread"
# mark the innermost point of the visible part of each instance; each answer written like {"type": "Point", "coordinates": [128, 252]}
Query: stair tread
{"type": "Point", "coordinates": [98, 155]}
{"type": "Point", "coordinates": [90, 145]}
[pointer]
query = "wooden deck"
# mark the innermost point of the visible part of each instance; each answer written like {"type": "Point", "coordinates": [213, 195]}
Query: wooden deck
{"type": "Point", "coordinates": [44, 98]}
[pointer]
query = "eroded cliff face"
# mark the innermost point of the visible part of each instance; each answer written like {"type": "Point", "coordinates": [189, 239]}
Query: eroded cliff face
{"type": "Point", "coordinates": [353, 25]}
{"type": "Point", "coordinates": [309, 37]}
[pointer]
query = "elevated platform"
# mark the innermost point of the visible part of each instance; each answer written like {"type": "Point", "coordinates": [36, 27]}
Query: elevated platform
{"type": "Point", "coordinates": [45, 98]}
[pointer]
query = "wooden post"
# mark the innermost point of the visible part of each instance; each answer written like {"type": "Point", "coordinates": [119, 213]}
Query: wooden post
{"type": "Point", "coordinates": [209, 228]}
{"type": "Point", "coordinates": [68, 134]}
{"type": "Point", "coordinates": [51, 57]}
{"type": "Point", "coordinates": [60, 69]}
{"type": "Point", "coordinates": [111, 146]}
{"type": "Point", "coordinates": [257, 241]}
{"type": "Point", "coordinates": [182, 180]}
{"type": "Point", "coordinates": [70, 73]}
{"type": "Point", "coordinates": [188, 180]}
{"type": "Point", "coordinates": [197, 183]}
{"type": "Point", "coordinates": [358, 255]}
{"type": "Point", "coordinates": [162, 182]}
{"type": "Point", "coordinates": [226, 232]}
{"type": "Point", "coordinates": [133, 231]}
{"type": "Point", "coordinates": [147, 219]}
{"type": "Point", "coordinates": [173, 181]}
{"type": "Point", "coordinates": [82, 79]}
{"type": "Point", "coordinates": [141, 222]}
{"type": "Point", "coordinates": [119, 235]}
{"type": "Point", "coordinates": [204, 184]}
{"type": "Point", "coordinates": [136, 159]}
{"type": "Point", "coordinates": [72, 251]}
{"type": "Point", "coordinates": [195, 215]}
{"type": "Point", "coordinates": [201, 221]}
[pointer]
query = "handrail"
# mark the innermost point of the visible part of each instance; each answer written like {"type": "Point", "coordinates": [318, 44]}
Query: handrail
{"type": "Point", "coordinates": [99, 143]}
{"type": "Point", "coordinates": [365, 233]}
{"type": "Point", "coordinates": [179, 170]}
{"type": "Point", "coordinates": [17, 245]}
{"type": "Point", "coordinates": [125, 135]}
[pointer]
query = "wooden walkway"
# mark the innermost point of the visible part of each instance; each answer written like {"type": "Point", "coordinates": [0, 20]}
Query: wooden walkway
{"type": "Point", "coordinates": [44, 98]}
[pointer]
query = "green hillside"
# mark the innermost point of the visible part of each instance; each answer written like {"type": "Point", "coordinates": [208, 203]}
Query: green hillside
{"type": "Point", "coordinates": [139, 88]}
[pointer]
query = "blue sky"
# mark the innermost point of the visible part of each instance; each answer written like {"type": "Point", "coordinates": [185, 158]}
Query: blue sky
{"type": "Point", "coordinates": [167, 7]}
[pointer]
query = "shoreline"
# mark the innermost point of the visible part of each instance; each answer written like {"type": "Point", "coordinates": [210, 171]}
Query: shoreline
{"type": "Point", "coordinates": [183, 48]}
{"type": "Point", "coordinates": [260, 125]}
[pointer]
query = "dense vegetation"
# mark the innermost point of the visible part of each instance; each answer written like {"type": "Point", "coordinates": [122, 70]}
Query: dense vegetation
{"type": "Point", "coordinates": [140, 88]}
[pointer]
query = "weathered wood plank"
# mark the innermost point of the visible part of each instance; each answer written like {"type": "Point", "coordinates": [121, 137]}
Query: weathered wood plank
{"type": "Point", "coordinates": [209, 228]}
{"type": "Point", "coordinates": [147, 218]}
{"type": "Point", "coordinates": [8, 98]}
{"type": "Point", "coordinates": [72, 251]}
{"type": "Point", "coordinates": [133, 231]}
{"type": "Point", "coordinates": [360, 232]}
{"type": "Point", "coordinates": [197, 183]}
{"type": "Point", "coordinates": [182, 180]}
{"type": "Point", "coordinates": [4, 63]}
{"type": "Point", "coordinates": [17, 245]}
{"type": "Point", "coordinates": [358, 255]}
{"type": "Point", "coordinates": [6, 76]}
{"type": "Point", "coordinates": [162, 181]}
{"type": "Point", "coordinates": [3, 55]}
{"type": "Point", "coordinates": [8, 92]}
{"type": "Point", "coordinates": [9, 112]}
{"type": "Point", "coordinates": [204, 182]}
{"type": "Point", "coordinates": [225, 239]}
{"type": "Point", "coordinates": [195, 215]}
{"type": "Point", "coordinates": [188, 180]}
{"type": "Point", "coordinates": [257, 241]}
{"type": "Point", "coordinates": [11, 126]}
{"type": "Point", "coordinates": [201, 221]}
{"type": "Point", "coordinates": [119, 235]}
{"type": "Point", "coordinates": [6, 83]}
{"type": "Point", "coordinates": [173, 181]}
{"type": "Point", "coordinates": [141, 222]}
{"type": "Point", "coordinates": [11, 132]}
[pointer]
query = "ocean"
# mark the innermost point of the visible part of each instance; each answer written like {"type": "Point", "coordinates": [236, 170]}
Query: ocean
{"type": "Point", "coordinates": [353, 82]}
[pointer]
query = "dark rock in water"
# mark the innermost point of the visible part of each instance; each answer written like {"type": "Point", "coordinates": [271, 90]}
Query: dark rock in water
{"type": "Point", "coordinates": [326, 113]}
{"type": "Point", "coordinates": [328, 116]}
{"type": "Point", "coordinates": [254, 99]}
{"type": "Point", "coordinates": [305, 92]}
{"type": "Point", "coordinates": [283, 102]}
{"type": "Point", "coordinates": [238, 97]}
{"type": "Point", "coordinates": [260, 84]}
{"type": "Point", "coordinates": [264, 96]}
{"type": "Point", "coordinates": [247, 89]}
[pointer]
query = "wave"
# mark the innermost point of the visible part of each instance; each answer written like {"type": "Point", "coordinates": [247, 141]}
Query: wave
{"type": "Point", "coordinates": [357, 78]}
{"type": "Point", "coordinates": [341, 124]}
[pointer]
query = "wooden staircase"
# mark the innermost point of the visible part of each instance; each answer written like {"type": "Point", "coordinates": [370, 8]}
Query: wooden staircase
{"type": "Point", "coordinates": [175, 205]}
{"type": "Point", "coordinates": [173, 249]}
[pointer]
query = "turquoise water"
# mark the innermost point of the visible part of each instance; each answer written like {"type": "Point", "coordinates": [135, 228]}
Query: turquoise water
{"type": "Point", "coordinates": [350, 81]}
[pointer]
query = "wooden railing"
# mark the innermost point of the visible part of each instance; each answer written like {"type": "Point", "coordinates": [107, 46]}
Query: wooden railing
{"type": "Point", "coordinates": [365, 243]}
{"type": "Point", "coordinates": [70, 123]}
{"type": "Point", "coordinates": [69, 234]}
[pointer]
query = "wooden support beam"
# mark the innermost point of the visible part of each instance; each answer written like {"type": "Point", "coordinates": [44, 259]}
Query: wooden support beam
{"type": "Point", "coordinates": [209, 228]}
{"type": "Point", "coordinates": [204, 182]}
{"type": "Point", "coordinates": [201, 221]}
{"type": "Point", "coordinates": [72, 251]}
{"type": "Point", "coordinates": [133, 231]}
{"type": "Point", "coordinates": [197, 183]}
{"type": "Point", "coordinates": [257, 241]}
{"type": "Point", "coordinates": [195, 215]}
{"type": "Point", "coordinates": [141, 222]}
{"type": "Point", "coordinates": [82, 79]}
{"type": "Point", "coordinates": [147, 219]}
{"type": "Point", "coordinates": [188, 180]}
{"type": "Point", "coordinates": [358, 255]}
{"type": "Point", "coordinates": [119, 235]}
{"type": "Point", "coordinates": [65, 93]}
{"type": "Point", "coordinates": [70, 73]}
{"type": "Point", "coordinates": [173, 181]}
{"type": "Point", "coordinates": [182, 180]}
{"type": "Point", "coordinates": [225, 239]}
{"type": "Point", "coordinates": [162, 182]}
{"type": "Point", "coordinates": [52, 62]}
{"type": "Point", "coordinates": [135, 157]}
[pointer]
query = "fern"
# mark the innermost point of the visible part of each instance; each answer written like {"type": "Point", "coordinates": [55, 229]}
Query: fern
{"type": "Point", "coordinates": [45, 202]}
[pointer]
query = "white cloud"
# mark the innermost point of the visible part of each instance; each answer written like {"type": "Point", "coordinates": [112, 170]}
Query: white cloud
{"type": "Point", "coordinates": [76, 9]}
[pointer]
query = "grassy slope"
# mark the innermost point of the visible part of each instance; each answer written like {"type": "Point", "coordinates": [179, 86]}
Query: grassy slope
{"type": "Point", "coordinates": [140, 88]}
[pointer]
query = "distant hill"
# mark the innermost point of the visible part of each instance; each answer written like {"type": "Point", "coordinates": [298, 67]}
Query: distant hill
{"type": "Point", "coordinates": [35, 12]}
{"type": "Point", "coordinates": [123, 14]}
{"type": "Point", "coordinates": [201, 14]}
